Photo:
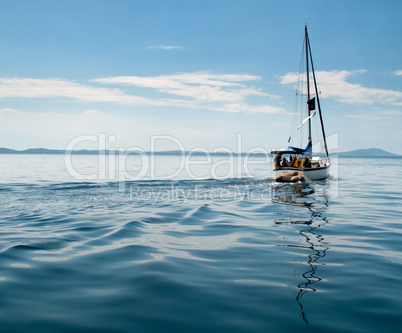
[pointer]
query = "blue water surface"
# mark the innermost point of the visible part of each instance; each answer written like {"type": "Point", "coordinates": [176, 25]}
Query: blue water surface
{"type": "Point", "coordinates": [241, 254]}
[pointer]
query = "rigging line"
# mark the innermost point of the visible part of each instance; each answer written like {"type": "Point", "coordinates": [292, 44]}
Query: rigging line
{"type": "Point", "coordinates": [300, 134]}
{"type": "Point", "coordinates": [293, 124]}
{"type": "Point", "coordinates": [318, 100]}
{"type": "Point", "coordinates": [295, 135]}
{"type": "Point", "coordinates": [317, 137]}
{"type": "Point", "coordinates": [304, 87]}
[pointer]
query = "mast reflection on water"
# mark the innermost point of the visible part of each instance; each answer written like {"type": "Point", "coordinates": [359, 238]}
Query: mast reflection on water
{"type": "Point", "coordinates": [304, 196]}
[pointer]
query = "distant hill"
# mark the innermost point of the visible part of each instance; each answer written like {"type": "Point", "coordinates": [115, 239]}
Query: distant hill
{"type": "Point", "coordinates": [370, 152]}
{"type": "Point", "coordinates": [95, 152]}
{"type": "Point", "coordinates": [7, 151]}
{"type": "Point", "coordinates": [35, 151]}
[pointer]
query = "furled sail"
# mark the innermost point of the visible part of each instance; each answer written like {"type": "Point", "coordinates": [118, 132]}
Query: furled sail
{"type": "Point", "coordinates": [305, 151]}
{"type": "Point", "coordinates": [305, 120]}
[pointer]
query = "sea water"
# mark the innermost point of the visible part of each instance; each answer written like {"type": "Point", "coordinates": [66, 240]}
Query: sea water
{"type": "Point", "coordinates": [224, 251]}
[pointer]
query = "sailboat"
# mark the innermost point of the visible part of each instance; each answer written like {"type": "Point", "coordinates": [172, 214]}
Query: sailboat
{"type": "Point", "coordinates": [295, 163]}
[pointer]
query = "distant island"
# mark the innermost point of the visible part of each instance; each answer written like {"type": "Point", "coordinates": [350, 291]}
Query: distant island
{"type": "Point", "coordinates": [39, 151]}
{"type": "Point", "coordinates": [370, 152]}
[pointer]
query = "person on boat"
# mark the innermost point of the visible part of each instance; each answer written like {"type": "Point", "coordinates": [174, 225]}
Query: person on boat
{"type": "Point", "coordinates": [307, 163]}
{"type": "Point", "coordinates": [277, 162]}
{"type": "Point", "coordinates": [290, 163]}
{"type": "Point", "coordinates": [284, 162]}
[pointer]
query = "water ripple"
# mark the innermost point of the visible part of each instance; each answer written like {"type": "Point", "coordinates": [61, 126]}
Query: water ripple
{"type": "Point", "coordinates": [213, 255]}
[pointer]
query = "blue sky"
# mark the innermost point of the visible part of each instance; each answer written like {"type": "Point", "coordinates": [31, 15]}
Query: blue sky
{"type": "Point", "coordinates": [199, 70]}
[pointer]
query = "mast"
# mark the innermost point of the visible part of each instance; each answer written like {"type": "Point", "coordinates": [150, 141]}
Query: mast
{"type": "Point", "coordinates": [318, 99]}
{"type": "Point", "coordinates": [308, 83]}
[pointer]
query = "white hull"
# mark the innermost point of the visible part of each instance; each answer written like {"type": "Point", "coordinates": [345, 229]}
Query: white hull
{"type": "Point", "coordinates": [320, 173]}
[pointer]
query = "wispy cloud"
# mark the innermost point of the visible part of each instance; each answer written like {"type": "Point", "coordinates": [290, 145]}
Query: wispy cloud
{"type": "Point", "coordinates": [392, 112]}
{"type": "Point", "coordinates": [164, 47]}
{"type": "Point", "coordinates": [363, 116]}
{"type": "Point", "coordinates": [45, 88]}
{"type": "Point", "coordinates": [56, 129]}
{"type": "Point", "coordinates": [376, 116]}
{"type": "Point", "coordinates": [220, 92]}
{"type": "Point", "coordinates": [398, 73]}
{"type": "Point", "coordinates": [335, 84]}
{"type": "Point", "coordinates": [198, 86]}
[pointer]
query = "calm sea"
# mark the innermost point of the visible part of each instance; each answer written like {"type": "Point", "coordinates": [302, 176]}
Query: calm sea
{"type": "Point", "coordinates": [215, 249]}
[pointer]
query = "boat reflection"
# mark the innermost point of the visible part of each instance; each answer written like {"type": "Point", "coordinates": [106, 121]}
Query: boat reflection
{"type": "Point", "coordinates": [315, 204]}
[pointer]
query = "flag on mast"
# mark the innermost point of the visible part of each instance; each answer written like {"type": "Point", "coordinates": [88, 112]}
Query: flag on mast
{"type": "Point", "coordinates": [311, 104]}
